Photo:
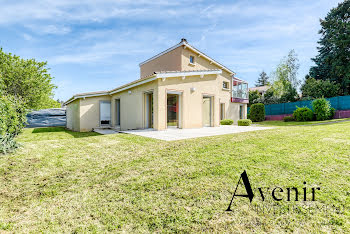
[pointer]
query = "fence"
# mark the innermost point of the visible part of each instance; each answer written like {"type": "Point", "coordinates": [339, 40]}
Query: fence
{"type": "Point", "coordinates": [339, 103]}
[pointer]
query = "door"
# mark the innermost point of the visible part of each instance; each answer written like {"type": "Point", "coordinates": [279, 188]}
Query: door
{"type": "Point", "coordinates": [105, 113]}
{"type": "Point", "coordinates": [117, 112]}
{"type": "Point", "coordinates": [240, 111]}
{"type": "Point", "coordinates": [206, 111]}
{"type": "Point", "coordinates": [149, 110]}
{"type": "Point", "coordinates": [173, 110]}
{"type": "Point", "coordinates": [222, 111]}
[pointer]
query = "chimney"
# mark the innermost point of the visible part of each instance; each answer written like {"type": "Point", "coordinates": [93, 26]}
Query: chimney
{"type": "Point", "coordinates": [183, 40]}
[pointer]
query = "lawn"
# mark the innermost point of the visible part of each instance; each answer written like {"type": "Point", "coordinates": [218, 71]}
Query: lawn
{"type": "Point", "coordinates": [294, 123]}
{"type": "Point", "coordinates": [61, 181]}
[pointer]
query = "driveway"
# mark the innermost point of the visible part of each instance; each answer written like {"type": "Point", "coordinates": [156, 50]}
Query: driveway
{"type": "Point", "coordinates": [173, 134]}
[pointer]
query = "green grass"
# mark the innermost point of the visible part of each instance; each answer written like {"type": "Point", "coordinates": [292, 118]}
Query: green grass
{"type": "Point", "coordinates": [61, 181]}
{"type": "Point", "coordinates": [295, 123]}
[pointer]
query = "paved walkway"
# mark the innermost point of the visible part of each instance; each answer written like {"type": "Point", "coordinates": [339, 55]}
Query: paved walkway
{"type": "Point", "coordinates": [173, 134]}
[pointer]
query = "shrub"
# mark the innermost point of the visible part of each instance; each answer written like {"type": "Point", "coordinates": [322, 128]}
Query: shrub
{"type": "Point", "coordinates": [226, 122]}
{"type": "Point", "coordinates": [244, 122]}
{"type": "Point", "coordinates": [331, 113]}
{"type": "Point", "coordinates": [257, 112]}
{"type": "Point", "coordinates": [322, 108]}
{"type": "Point", "coordinates": [288, 119]}
{"type": "Point", "coordinates": [303, 114]}
{"type": "Point", "coordinates": [7, 143]}
{"type": "Point", "coordinates": [12, 120]}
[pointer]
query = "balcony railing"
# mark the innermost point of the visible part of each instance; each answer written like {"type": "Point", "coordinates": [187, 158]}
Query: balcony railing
{"type": "Point", "coordinates": [240, 91]}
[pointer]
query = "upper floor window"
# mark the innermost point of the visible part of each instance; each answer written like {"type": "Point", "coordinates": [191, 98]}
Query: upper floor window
{"type": "Point", "coordinates": [225, 85]}
{"type": "Point", "coordinates": [191, 59]}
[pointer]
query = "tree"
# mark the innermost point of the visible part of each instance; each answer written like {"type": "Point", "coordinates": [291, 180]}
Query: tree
{"type": "Point", "coordinates": [285, 81]}
{"type": "Point", "coordinates": [27, 79]}
{"type": "Point", "coordinates": [253, 97]}
{"type": "Point", "coordinates": [319, 88]}
{"type": "Point", "coordinates": [262, 80]}
{"type": "Point", "coordinates": [333, 59]}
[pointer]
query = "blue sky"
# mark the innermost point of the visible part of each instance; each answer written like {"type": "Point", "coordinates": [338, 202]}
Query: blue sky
{"type": "Point", "coordinates": [97, 45]}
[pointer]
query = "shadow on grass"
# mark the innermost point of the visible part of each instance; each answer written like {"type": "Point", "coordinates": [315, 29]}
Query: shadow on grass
{"type": "Point", "coordinates": [62, 129]}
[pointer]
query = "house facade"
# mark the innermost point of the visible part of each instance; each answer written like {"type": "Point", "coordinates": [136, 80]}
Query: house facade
{"type": "Point", "coordinates": [179, 88]}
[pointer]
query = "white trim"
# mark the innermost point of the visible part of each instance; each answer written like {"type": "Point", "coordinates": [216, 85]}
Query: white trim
{"type": "Point", "coordinates": [152, 78]}
{"type": "Point", "coordinates": [133, 85]}
{"type": "Point", "coordinates": [85, 96]}
{"type": "Point", "coordinates": [174, 92]}
{"type": "Point", "coordinates": [188, 73]}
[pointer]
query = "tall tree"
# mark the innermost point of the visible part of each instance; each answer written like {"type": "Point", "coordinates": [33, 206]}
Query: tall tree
{"type": "Point", "coordinates": [262, 80]}
{"type": "Point", "coordinates": [333, 59]}
{"type": "Point", "coordinates": [285, 81]}
{"type": "Point", "coordinates": [27, 79]}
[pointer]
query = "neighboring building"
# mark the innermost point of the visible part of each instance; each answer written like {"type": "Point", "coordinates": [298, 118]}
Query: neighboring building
{"type": "Point", "coordinates": [180, 87]}
{"type": "Point", "coordinates": [261, 89]}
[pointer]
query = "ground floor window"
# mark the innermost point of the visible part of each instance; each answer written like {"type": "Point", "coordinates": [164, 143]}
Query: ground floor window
{"type": "Point", "coordinates": [222, 111]}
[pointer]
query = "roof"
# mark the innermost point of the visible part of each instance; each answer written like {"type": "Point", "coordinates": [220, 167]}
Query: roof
{"type": "Point", "coordinates": [156, 75]}
{"type": "Point", "coordinates": [260, 88]}
{"type": "Point", "coordinates": [186, 45]}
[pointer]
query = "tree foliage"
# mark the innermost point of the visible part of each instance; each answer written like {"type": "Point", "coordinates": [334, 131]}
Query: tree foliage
{"type": "Point", "coordinates": [27, 79]}
{"type": "Point", "coordinates": [285, 81]}
{"type": "Point", "coordinates": [262, 80]}
{"type": "Point", "coordinates": [333, 59]}
{"type": "Point", "coordinates": [254, 96]}
{"type": "Point", "coordinates": [319, 88]}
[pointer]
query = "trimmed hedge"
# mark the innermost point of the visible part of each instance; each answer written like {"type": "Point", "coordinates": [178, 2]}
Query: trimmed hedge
{"type": "Point", "coordinates": [303, 114]}
{"type": "Point", "coordinates": [244, 122]}
{"type": "Point", "coordinates": [226, 122]}
{"type": "Point", "coordinates": [257, 112]}
{"type": "Point", "coordinates": [288, 119]}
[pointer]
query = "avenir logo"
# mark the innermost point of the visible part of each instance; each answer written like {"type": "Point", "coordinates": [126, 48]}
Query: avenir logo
{"type": "Point", "coordinates": [275, 192]}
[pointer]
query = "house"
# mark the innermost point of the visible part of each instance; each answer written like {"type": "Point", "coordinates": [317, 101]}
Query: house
{"type": "Point", "coordinates": [179, 88]}
{"type": "Point", "coordinates": [261, 89]}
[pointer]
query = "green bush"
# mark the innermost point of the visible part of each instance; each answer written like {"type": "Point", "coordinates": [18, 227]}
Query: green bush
{"type": "Point", "coordinates": [7, 143]}
{"type": "Point", "coordinates": [331, 113]}
{"type": "Point", "coordinates": [257, 112]}
{"type": "Point", "coordinates": [12, 120]}
{"type": "Point", "coordinates": [303, 114]}
{"type": "Point", "coordinates": [322, 108]}
{"type": "Point", "coordinates": [244, 122]}
{"type": "Point", "coordinates": [226, 122]}
{"type": "Point", "coordinates": [288, 119]}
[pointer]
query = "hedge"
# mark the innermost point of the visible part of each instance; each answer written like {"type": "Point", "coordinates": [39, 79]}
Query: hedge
{"type": "Point", "coordinates": [244, 122]}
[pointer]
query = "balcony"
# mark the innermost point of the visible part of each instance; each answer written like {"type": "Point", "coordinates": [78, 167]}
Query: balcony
{"type": "Point", "coordinates": [240, 92]}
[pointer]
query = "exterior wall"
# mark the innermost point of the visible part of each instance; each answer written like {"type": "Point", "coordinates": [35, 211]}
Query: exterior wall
{"type": "Point", "coordinates": [170, 61]}
{"type": "Point", "coordinates": [90, 112]}
{"type": "Point", "coordinates": [73, 116]}
{"type": "Point", "coordinates": [132, 106]}
{"type": "Point", "coordinates": [190, 102]}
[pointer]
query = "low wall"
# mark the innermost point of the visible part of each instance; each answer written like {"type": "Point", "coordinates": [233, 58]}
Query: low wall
{"type": "Point", "coordinates": [339, 114]}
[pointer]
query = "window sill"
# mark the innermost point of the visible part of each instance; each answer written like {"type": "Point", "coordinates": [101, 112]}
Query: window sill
{"type": "Point", "coordinates": [191, 64]}
{"type": "Point", "coordinates": [224, 89]}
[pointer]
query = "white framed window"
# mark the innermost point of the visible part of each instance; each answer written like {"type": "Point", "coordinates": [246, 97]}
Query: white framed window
{"type": "Point", "coordinates": [191, 59]}
{"type": "Point", "coordinates": [225, 85]}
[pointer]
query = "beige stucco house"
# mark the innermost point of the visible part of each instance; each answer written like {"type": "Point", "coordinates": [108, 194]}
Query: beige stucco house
{"type": "Point", "coordinates": [180, 87]}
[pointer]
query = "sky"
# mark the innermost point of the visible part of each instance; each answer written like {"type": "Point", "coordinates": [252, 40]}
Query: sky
{"type": "Point", "coordinates": [98, 45]}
